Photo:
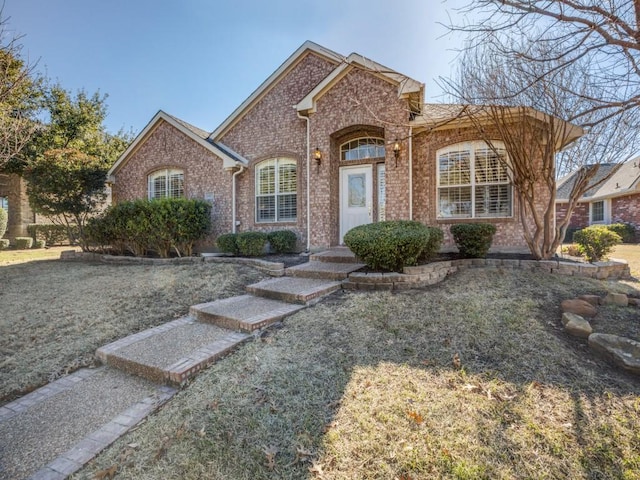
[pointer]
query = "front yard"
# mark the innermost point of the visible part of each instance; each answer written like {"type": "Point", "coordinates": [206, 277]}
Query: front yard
{"type": "Point", "coordinates": [472, 378]}
{"type": "Point", "coordinates": [54, 315]}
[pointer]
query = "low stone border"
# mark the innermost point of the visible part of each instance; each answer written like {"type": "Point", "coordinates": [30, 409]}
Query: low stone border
{"type": "Point", "coordinates": [274, 269]}
{"type": "Point", "coordinates": [432, 273]}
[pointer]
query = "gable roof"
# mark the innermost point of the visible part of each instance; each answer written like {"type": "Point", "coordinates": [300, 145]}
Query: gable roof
{"type": "Point", "coordinates": [624, 180]}
{"type": "Point", "coordinates": [406, 85]}
{"type": "Point", "coordinates": [228, 156]}
{"type": "Point", "coordinates": [306, 48]}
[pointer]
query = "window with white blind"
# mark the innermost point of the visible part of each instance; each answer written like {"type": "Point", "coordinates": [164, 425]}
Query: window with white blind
{"type": "Point", "coordinates": [276, 187]}
{"type": "Point", "coordinates": [166, 184]}
{"type": "Point", "coordinates": [473, 182]}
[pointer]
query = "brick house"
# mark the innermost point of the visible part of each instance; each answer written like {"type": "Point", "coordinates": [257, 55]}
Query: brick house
{"type": "Point", "coordinates": [326, 143]}
{"type": "Point", "coordinates": [617, 199]}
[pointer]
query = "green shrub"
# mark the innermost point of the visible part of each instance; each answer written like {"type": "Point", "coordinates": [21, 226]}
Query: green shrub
{"type": "Point", "coordinates": [251, 244]}
{"type": "Point", "coordinates": [39, 244]}
{"type": "Point", "coordinates": [431, 249]}
{"type": "Point", "coordinates": [282, 241]}
{"type": "Point", "coordinates": [4, 218]}
{"type": "Point", "coordinates": [568, 235]}
{"type": "Point", "coordinates": [23, 243]}
{"type": "Point", "coordinates": [596, 242]}
{"type": "Point", "coordinates": [51, 233]}
{"type": "Point", "coordinates": [4, 243]}
{"type": "Point", "coordinates": [392, 245]}
{"type": "Point", "coordinates": [228, 243]}
{"type": "Point", "coordinates": [626, 231]}
{"type": "Point", "coordinates": [144, 225]}
{"type": "Point", "coordinates": [473, 239]}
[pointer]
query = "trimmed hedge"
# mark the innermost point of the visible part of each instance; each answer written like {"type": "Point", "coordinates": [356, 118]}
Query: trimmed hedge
{"type": "Point", "coordinates": [596, 241]}
{"type": "Point", "coordinates": [51, 233]}
{"type": "Point", "coordinates": [473, 239]}
{"type": "Point", "coordinates": [393, 245]}
{"type": "Point", "coordinates": [39, 244]}
{"type": "Point", "coordinates": [282, 241]}
{"type": "Point", "coordinates": [251, 244]}
{"type": "Point", "coordinates": [626, 231]}
{"type": "Point", "coordinates": [4, 218]}
{"type": "Point", "coordinates": [23, 243]}
{"type": "Point", "coordinates": [141, 226]}
{"type": "Point", "coordinates": [4, 243]}
{"type": "Point", "coordinates": [227, 243]}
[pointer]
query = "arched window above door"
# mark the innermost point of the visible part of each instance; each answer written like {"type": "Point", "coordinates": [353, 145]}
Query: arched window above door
{"type": "Point", "coordinates": [362, 149]}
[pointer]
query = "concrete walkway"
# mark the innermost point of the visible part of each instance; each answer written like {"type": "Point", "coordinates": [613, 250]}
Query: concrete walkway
{"type": "Point", "coordinates": [53, 431]}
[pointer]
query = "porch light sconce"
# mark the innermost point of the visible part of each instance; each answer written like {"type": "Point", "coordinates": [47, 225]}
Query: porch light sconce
{"type": "Point", "coordinates": [396, 151]}
{"type": "Point", "coordinates": [317, 156]}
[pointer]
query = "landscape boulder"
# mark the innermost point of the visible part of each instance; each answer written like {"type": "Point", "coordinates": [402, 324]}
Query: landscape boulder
{"type": "Point", "coordinates": [576, 325]}
{"type": "Point", "coordinates": [616, 299]}
{"type": "Point", "coordinates": [579, 307]}
{"type": "Point", "coordinates": [622, 351]}
{"type": "Point", "coordinates": [592, 299]}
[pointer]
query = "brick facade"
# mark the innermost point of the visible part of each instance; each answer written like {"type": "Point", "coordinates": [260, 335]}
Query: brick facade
{"type": "Point", "coordinates": [579, 216]}
{"type": "Point", "coordinates": [626, 209]}
{"type": "Point", "coordinates": [358, 104]}
{"type": "Point", "coordinates": [167, 147]}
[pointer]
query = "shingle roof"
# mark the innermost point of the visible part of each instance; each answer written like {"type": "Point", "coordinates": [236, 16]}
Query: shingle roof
{"type": "Point", "coordinates": [623, 178]}
{"type": "Point", "coordinates": [198, 131]}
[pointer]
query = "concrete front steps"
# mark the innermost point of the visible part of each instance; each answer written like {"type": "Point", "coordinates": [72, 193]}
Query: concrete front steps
{"type": "Point", "coordinates": [176, 351]}
{"type": "Point", "coordinates": [245, 313]}
{"type": "Point", "coordinates": [172, 352]}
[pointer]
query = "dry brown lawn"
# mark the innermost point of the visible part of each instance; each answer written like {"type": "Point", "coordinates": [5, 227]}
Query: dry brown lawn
{"type": "Point", "coordinates": [470, 379]}
{"type": "Point", "coordinates": [631, 253]}
{"type": "Point", "coordinates": [55, 314]}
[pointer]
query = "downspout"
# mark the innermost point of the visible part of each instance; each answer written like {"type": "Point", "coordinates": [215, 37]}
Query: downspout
{"type": "Point", "coordinates": [303, 117]}
{"type": "Point", "coordinates": [410, 173]}
{"type": "Point", "coordinates": [233, 197]}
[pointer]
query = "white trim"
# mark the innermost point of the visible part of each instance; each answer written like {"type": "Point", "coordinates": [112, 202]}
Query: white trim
{"type": "Point", "coordinates": [271, 81]}
{"type": "Point", "coordinates": [227, 160]}
{"type": "Point", "coordinates": [471, 147]}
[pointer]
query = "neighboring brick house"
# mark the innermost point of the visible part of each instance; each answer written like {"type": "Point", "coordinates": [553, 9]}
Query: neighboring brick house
{"type": "Point", "coordinates": [324, 144]}
{"type": "Point", "coordinates": [617, 199]}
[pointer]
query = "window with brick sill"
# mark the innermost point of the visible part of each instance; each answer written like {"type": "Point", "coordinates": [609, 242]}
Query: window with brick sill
{"type": "Point", "coordinates": [473, 182]}
{"type": "Point", "coordinates": [276, 191]}
{"type": "Point", "coordinates": [166, 184]}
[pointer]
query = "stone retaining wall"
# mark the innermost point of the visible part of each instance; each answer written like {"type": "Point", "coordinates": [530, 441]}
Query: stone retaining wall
{"type": "Point", "coordinates": [432, 273]}
{"type": "Point", "coordinates": [270, 268]}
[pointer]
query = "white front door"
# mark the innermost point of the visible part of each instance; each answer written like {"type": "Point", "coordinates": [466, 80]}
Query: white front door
{"type": "Point", "coordinates": [356, 198]}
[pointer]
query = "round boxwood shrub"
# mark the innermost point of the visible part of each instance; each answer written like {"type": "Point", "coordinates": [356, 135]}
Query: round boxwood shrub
{"type": "Point", "coordinates": [23, 243]}
{"type": "Point", "coordinates": [4, 218]}
{"type": "Point", "coordinates": [392, 245]}
{"type": "Point", "coordinates": [4, 243]}
{"type": "Point", "coordinates": [251, 244]}
{"type": "Point", "coordinates": [626, 231]}
{"type": "Point", "coordinates": [282, 241]}
{"type": "Point", "coordinates": [228, 243]}
{"type": "Point", "coordinates": [473, 239]}
{"type": "Point", "coordinates": [596, 241]}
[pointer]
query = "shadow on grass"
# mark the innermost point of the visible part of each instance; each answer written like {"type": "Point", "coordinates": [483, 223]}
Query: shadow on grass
{"type": "Point", "coordinates": [366, 386]}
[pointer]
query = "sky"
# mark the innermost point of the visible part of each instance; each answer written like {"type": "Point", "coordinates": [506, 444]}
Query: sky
{"type": "Point", "coordinates": [200, 59]}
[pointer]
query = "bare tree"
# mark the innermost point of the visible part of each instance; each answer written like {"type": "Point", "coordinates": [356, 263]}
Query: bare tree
{"type": "Point", "coordinates": [20, 94]}
{"type": "Point", "coordinates": [553, 35]}
{"type": "Point", "coordinates": [505, 99]}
